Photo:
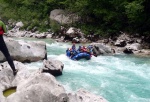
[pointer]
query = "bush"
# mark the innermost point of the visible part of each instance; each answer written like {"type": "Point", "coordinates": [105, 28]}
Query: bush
{"type": "Point", "coordinates": [55, 26]}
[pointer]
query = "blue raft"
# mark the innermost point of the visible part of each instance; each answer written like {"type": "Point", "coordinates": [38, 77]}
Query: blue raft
{"type": "Point", "coordinates": [78, 56]}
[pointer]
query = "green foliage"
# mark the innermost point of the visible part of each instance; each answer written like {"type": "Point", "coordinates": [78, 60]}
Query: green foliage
{"type": "Point", "coordinates": [32, 12]}
{"type": "Point", "coordinates": [103, 17]}
{"type": "Point", "coordinates": [133, 9]}
{"type": "Point", "coordinates": [55, 26]}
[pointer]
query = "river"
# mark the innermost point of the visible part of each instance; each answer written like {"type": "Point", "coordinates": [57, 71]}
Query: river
{"type": "Point", "coordinates": [118, 78]}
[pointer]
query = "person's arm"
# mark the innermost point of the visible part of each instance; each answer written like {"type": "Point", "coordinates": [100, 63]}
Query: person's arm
{"type": "Point", "coordinates": [4, 27]}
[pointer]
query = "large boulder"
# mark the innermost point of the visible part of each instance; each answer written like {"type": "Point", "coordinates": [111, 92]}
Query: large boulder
{"type": "Point", "coordinates": [53, 67]}
{"type": "Point", "coordinates": [123, 40]}
{"type": "Point", "coordinates": [19, 24]}
{"type": "Point", "coordinates": [71, 34]}
{"type": "Point", "coordinates": [134, 46]}
{"type": "Point", "coordinates": [25, 51]}
{"type": "Point", "coordinates": [38, 87]}
{"type": "Point", "coordinates": [6, 75]}
{"type": "Point", "coordinates": [131, 48]}
{"type": "Point", "coordinates": [74, 32]}
{"type": "Point", "coordinates": [63, 17]}
{"type": "Point", "coordinates": [100, 48]}
{"type": "Point", "coordinates": [31, 87]}
{"type": "Point", "coordinates": [7, 78]}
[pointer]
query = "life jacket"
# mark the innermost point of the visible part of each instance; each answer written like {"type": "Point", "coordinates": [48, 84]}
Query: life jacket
{"type": "Point", "coordinates": [84, 49]}
{"type": "Point", "coordinates": [1, 31]}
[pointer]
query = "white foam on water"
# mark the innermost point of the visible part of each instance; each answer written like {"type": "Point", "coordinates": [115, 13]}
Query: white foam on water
{"type": "Point", "coordinates": [134, 98]}
{"type": "Point", "coordinates": [58, 45]}
{"type": "Point", "coordinates": [111, 76]}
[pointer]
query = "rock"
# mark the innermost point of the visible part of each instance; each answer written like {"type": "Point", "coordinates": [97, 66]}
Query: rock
{"type": "Point", "coordinates": [11, 23]}
{"type": "Point", "coordinates": [6, 74]}
{"type": "Point", "coordinates": [7, 78]}
{"type": "Point", "coordinates": [70, 31]}
{"type": "Point", "coordinates": [120, 43]}
{"type": "Point", "coordinates": [31, 87]}
{"type": "Point", "coordinates": [134, 46]}
{"type": "Point", "coordinates": [128, 51]}
{"type": "Point", "coordinates": [74, 32]}
{"type": "Point", "coordinates": [142, 53]}
{"type": "Point", "coordinates": [49, 36]}
{"type": "Point", "coordinates": [76, 40]}
{"type": "Point", "coordinates": [15, 32]}
{"type": "Point", "coordinates": [74, 35]}
{"type": "Point", "coordinates": [85, 96]}
{"type": "Point", "coordinates": [19, 24]}
{"type": "Point", "coordinates": [53, 67]}
{"type": "Point", "coordinates": [123, 40]}
{"type": "Point", "coordinates": [83, 40]}
{"type": "Point", "coordinates": [38, 87]}
{"type": "Point", "coordinates": [39, 36]}
{"type": "Point", "coordinates": [131, 48]}
{"type": "Point", "coordinates": [99, 49]}
{"type": "Point", "coordinates": [63, 17]}
{"type": "Point", "coordinates": [2, 98]}
{"type": "Point", "coordinates": [25, 51]}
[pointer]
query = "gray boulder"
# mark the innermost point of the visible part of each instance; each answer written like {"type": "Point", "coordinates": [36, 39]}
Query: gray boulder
{"type": "Point", "coordinates": [6, 75]}
{"type": "Point", "coordinates": [31, 87]}
{"type": "Point", "coordinates": [63, 17]}
{"type": "Point", "coordinates": [25, 51]}
{"type": "Point", "coordinates": [19, 24]}
{"type": "Point", "coordinates": [7, 78]}
{"type": "Point", "coordinates": [131, 48]}
{"type": "Point", "coordinates": [99, 49]}
{"type": "Point", "coordinates": [74, 32]}
{"type": "Point", "coordinates": [37, 87]}
{"type": "Point", "coordinates": [123, 40]}
{"type": "Point", "coordinates": [134, 46]}
{"type": "Point", "coordinates": [53, 67]}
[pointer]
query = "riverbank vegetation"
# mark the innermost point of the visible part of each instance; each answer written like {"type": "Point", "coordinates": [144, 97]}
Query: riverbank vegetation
{"type": "Point", "coordinates": [104, 17]}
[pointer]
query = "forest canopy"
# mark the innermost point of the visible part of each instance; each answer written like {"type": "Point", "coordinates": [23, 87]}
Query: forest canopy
{"type": "Point", "coordinates": [106, 16]}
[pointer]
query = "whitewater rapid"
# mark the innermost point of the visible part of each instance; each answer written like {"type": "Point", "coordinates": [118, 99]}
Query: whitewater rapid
{"type": "Point", "coordinates": [118, 78]}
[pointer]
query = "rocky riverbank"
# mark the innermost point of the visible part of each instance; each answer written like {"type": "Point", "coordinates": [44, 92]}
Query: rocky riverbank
{"type": "Point", "coordinates": [124, 43]}
{"type": "Point", "coordinates": [38, 87]}
{"type": "Point", "coordinates": [29, 83]}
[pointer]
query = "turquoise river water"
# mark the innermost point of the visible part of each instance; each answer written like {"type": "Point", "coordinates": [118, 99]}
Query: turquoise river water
{"type": "Point", "coordinates": [118, 78]}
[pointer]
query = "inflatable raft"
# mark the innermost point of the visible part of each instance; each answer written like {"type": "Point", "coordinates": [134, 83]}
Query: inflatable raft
{"type": "Point", "coordinates": [74, 55]}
